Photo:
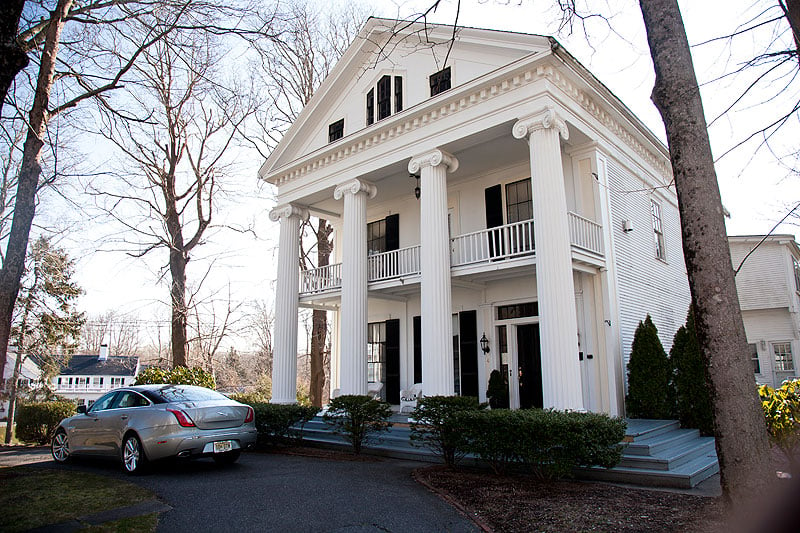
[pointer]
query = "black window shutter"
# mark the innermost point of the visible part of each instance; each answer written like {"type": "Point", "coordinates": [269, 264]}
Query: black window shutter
{"type": "Point", "coordinates": [393, 361]}
{"type": "Point", "coordinates": [370, 107]}
{"type": "Point", "coordinates": [417, 349]}
{"type": "Point", "coordinates": [468, 346]}
{"type": "Point", "coordinates": [494, 206]}
{"type": "Point", "coordinates": [392, 232]}
{"type": "Point", "coordinates": [398, 94]}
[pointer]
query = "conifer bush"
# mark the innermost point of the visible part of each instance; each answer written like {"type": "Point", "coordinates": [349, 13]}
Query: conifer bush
{"type": "Point", "coordinates": [690, 380]}
{"type": "Point", "coordinates": [649, 375]}
{"type": "Point", "coordinates": [497, 392]}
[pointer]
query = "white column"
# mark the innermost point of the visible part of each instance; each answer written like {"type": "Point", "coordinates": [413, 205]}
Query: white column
{"type": "Point", "coordinates": [284, 363]}
{"type": "Point", "coordinates": [437, 336]}
{"type": "Point", "coordinates": [558, 327]}
{"type": "Point", "coordinates": [353, 312]}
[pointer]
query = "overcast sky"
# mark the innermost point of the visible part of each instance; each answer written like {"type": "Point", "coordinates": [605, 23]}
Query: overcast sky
{"type": "Point", "coordinates": [756, 187]}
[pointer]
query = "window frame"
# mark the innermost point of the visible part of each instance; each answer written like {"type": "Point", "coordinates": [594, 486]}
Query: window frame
{"type": "Point", "coordinates": [336, 130]}
{"type": "Point", "coordinates": [754, 357]}
{"type": "Point", "coordinates": [440, 78]}
{"type": "Point", "coordinates": [526, 182]}
{"type": "Point", "coordinates": [384, 97]}
{"type": "Point", "coordinates": [783, 357]}
{"type": "Point", "coordinates": [376, 352]}
{"type": "Point", "coordinates": [657, 223]}
{"type": "Point", "coordinates": [376, 244]}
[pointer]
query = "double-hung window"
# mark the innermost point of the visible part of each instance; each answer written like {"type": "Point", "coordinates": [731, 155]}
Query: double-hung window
{"type": "Point", "coordinates": [376, 352]}
{"type": "Point", "coordinates": [783, 356]}
{"type": "Point", "coordinates": [658, 230]}
{"type": "Point", "coordinates": [385, 98]}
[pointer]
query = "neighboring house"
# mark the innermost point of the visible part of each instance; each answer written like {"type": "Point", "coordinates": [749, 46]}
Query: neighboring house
{"type": "Point", "coordinates": [30, 377]}
{"type": "Point", "coordinates": [769, 295]}
{"type": "Point", "coordinates": [87, 377]}
{"type": "Point", "coordinates": [553, 273]}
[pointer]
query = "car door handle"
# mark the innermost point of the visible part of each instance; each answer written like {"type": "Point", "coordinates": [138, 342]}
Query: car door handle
{"type": "Point", "coordinates": [124, 417]}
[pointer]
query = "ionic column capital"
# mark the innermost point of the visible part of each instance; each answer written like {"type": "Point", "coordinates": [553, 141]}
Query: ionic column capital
{"type": "Point", "coordinates": [434, 158]}
{"type": "Point", "coordinates": [543, 119]}
{"type": "Point", "coordinates": [354, 186]}
{"type": "Point", "coordinates": [288, 210]}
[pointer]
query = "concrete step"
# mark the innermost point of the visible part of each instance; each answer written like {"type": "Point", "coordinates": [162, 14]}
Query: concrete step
{"type": "Point", "coordinates": [655, 444]}
{"type": "Point", "coordinates": [684, 476]}
{"type": "Point", "coordinates": [670, 458]}
{"type": "Point", "coordinates": [639, 429]}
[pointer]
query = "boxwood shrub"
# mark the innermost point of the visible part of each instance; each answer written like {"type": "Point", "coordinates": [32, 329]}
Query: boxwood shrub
{"type": "Point", "coordinates": [278, 423]}
{"type": "Point", "coordinates": [547, 443]}
{"type": "Point", "coordinates": [37, 421]}
{"type": "Point", "coordinates": [356, 417]}
{"type": "Point", "coordinates": [177, 376]}
{"type": "Point", "coordinates": [436, 427]}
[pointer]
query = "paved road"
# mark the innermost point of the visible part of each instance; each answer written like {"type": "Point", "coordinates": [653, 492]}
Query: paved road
{"type": "Point", "coordinates": [265, 492]}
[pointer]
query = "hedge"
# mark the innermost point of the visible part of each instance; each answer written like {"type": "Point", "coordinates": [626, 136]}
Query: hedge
{"type": "Point", "coordinates": [435, 426]}
{"type": "Point", "coordinates": [357, 417]}
{"type": "Point", "coordinates": [177, 376]}
{"type": "Point", "coordinates": [548, 443]}
{"type": "Point", "coordinates": [37, 422]}
{"type": "Point", "coordinates": [276, 422]}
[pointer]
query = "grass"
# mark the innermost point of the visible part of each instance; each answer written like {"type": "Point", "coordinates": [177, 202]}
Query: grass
{"type": "Point", "coordinates": [137, 524]}
{"type": "Point", "coordinates": [33, 497]}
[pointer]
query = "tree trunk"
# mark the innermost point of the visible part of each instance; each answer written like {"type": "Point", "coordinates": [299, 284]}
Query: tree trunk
{"type": "Point", "coordinates": [739, 425]}
{"type": "Point", "coordinates": [28, 178]}
{"type": "Point", "coordinates": [12, 397]}
{"type": "Point", "coordinates": [12, 58]}
{"type": "Point", "coordinates": [791, 9]}
{"type": "Point", "coordinates": [177, 268]}
{"type": "Point", "coordinates": [319, 321]}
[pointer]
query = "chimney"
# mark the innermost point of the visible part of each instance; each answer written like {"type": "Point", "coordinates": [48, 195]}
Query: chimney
{"type": "Point", "coordinates": [103, 352]}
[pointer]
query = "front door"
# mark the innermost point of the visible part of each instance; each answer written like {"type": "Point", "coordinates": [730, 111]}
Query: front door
{"type": "Point", "coordinates": [529, 366]}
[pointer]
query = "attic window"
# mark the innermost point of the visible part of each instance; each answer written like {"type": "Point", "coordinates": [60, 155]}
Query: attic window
{"type": "Point", "coordinates": [440, 81]}
{"type": "Point", "coordinates": [386, 96]}
{"type": "Point", "coordinates": [336, 131]}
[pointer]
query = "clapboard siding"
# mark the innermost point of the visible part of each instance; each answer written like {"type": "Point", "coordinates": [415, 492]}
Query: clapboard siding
{"type": "Point", "coordinates": [763, 281]}
{"type": "Point", "coordinates": [646, 285]}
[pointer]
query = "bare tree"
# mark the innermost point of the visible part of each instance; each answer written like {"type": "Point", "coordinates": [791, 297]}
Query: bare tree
{"type": "Point", "coordinates": [293, 68]}
{"type": "Point", "coordinates": [212, 326]}
{"type": "Point", "coordinates": [119, 332]}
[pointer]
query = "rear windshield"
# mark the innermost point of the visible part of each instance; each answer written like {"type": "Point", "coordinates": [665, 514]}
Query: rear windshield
{"type": "Point", "coordinates": [187, 393]}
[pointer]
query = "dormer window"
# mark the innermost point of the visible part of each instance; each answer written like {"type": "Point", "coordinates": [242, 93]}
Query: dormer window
{"type": "Point", "coordinates": [386, 96]}
{"type": "Point", "coordinates": [336, 131]}
{"type": "Point", "coordinates": [440, 81]}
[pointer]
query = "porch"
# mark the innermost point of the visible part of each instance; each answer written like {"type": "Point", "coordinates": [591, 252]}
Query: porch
{"type": "Point", "coordinates": [471, 251]}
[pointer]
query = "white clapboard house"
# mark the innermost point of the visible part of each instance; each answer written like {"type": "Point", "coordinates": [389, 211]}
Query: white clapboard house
{"type": "Point", "coordinates": [87, 377]}
{"type": "Point", "coordinates": [495, 206]}
{"type": "Point", "coordinates": [769, 294]}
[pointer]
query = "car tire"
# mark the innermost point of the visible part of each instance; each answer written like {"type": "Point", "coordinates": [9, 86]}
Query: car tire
{"type": "Point", "coordinates": [227, 458]}
{"type": "Point", "coordinates": [60, 447]}
{"type": "Point", "coordinates": [133, 457]}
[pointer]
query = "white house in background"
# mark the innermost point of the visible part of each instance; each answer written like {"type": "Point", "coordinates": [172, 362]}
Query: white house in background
{"type": "Point", "coordinates": [544, 221]}
{"type": "Point", "coordinates": [87, 377]}
{"type": "Point", "coordinates": [30, 376]}
{"type": "Point", "coordinates": [769, 295]}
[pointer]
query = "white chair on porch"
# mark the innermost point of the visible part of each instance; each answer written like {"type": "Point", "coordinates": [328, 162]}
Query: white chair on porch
{"type": "Point", "coordinates": [374, 390]}
{"type": "Point", "coordinates": [408, 398]}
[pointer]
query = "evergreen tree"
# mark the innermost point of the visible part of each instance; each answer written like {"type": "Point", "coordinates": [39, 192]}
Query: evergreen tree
{"type": "Point", "coordinates": [649, 375]}
{"type": "Point", "coordinates": [690, 379]}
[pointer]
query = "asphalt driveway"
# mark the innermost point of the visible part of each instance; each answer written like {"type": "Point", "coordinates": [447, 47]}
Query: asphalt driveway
{"type": "Point", "coordinates": [272, 492]}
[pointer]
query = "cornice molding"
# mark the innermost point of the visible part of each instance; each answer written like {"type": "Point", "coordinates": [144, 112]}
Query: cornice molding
{"type": "Point", "coordinates": [543, 119]}
{"type": "Point", "coordinates": [397, 127]}
{"type": "Point", "coordinates": [354, 186]}
{"type": "Point", "coordinates": [288, 210]}
{"type": "Point", "coordinates": [433, 158]}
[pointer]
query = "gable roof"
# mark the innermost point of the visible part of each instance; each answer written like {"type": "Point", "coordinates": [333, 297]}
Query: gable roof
{"type": "Point", "coordinates": [92, 365]}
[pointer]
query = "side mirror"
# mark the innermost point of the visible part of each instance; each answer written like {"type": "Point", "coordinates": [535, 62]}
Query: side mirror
{"type": "Point", "coordinates": [81, 409]}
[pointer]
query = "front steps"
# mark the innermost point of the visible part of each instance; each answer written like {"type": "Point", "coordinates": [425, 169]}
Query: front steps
{"type": "Point", "coordinates": [657, 453]}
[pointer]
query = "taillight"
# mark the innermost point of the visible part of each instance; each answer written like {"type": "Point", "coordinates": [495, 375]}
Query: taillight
{"type": "Point", "coordinates": [183, 418]}
{"type": "Point", "coordinates": [250, 415]}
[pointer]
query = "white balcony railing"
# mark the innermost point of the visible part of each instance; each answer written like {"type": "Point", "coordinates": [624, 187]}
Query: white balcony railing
{"type": "Point", "coordinates": [511, 240]}
{"type": "Point", "coordinates": [508, 241]}
{"type": "Point", "coordinates": [321, 279]}
{"type": "Point", "coordinates": [585, 234]}
{"type": "Point", "coordinates": [394, 264]}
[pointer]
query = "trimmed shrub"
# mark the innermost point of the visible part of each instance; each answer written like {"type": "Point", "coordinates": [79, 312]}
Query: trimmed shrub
{"type": "Point", "coordinates": [37, 422]}
{"type": "Point", "coordinates": [497, 392]}
{"type": "Point", "coordinates": [358, 418]}
{"type": "Point", "coordinates": [782, 411]}
{"type": "Point", "coordinates": [548, 443]}
{"type": "Point", "coordinates": [436, 426]}
{"type": "Point", "coordinates": [276, 423]}
{"type": "Point", "coordinates": [690, 380]}
{"type": "Point", "coordinates": [649, 375]}
{"type": "Point", "coordinates": [177, 376]}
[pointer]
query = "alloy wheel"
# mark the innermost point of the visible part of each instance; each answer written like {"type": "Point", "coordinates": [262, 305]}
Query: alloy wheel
{"type": "Point", "coordinates": [131, 455]}
{"type": "Point", "coordinates": [60, 448]}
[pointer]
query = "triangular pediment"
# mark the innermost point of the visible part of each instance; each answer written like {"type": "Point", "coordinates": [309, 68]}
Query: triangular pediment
{"type": "Point", "coordinates": [408, 54]}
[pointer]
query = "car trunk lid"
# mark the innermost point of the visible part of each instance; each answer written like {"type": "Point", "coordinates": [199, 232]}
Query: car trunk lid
{"type": "Point", "coordinates": [215, 416]}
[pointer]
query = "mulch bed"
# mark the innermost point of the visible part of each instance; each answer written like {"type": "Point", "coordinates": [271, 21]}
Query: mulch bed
{"type": "Point", "coordinates": [525, 504]}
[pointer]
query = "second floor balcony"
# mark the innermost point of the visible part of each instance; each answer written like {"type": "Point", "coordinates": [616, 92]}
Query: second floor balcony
{"type": "Point", "coordinates": [485, 247]}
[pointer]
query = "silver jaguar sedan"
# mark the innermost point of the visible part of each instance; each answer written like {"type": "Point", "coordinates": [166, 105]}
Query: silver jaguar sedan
{"type": "Point", "coordinates": [149, 422]}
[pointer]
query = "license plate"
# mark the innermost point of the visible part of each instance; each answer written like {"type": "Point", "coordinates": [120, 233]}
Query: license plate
{"type": "Point", "coordinates": [223, 446]}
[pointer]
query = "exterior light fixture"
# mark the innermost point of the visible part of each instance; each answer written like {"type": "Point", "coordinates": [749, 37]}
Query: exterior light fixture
{"type": "Point", "coordinates": [417, 190]}
{"type": "Point", "coordinates": [484, 344]}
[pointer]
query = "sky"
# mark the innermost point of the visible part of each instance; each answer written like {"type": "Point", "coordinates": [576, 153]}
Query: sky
{"type": "Point", "coordinates": [756, 186]}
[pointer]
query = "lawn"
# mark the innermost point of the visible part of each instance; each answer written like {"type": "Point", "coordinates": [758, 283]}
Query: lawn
{"type": "Point", "coordinates": [35, 497]}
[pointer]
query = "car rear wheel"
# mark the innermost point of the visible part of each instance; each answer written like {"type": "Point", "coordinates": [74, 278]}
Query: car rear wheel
{"type": "Point", "coordinates": [227, 458]}
{"type": "Point", "coordinates": [133, 458]}
{"type": "Point", "coordinates": [60, 447]}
